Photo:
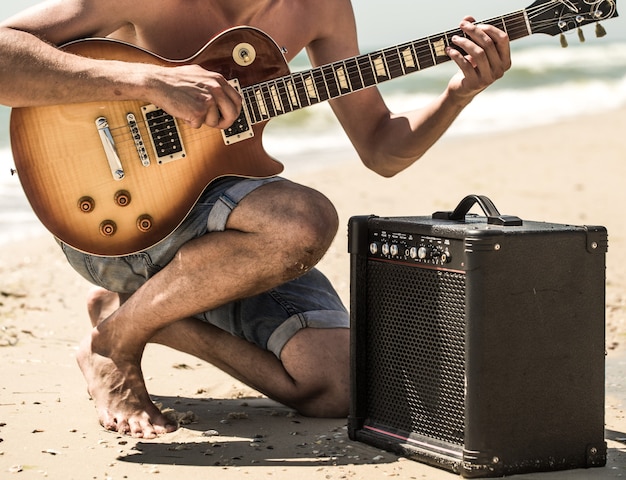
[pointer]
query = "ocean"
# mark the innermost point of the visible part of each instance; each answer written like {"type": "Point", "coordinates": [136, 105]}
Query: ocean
{"type": "Point", "coordinates": [547, 83]}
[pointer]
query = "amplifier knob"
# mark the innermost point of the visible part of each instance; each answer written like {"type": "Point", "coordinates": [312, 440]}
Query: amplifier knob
{"type": "Point", "coordinates": [413, 252]}
{"type": "Point", "coordinates": [373, 248]}
{"type": "Point", "coordinates": [394, 250]}
{"type": "Point", "coordinates": [423, 253]}
{"type": "Point", "coordinates": [385, 249]}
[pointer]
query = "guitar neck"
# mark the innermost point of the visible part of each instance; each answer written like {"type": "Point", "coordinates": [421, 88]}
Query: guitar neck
{"type": "Point", "coordinates": [306, 88]}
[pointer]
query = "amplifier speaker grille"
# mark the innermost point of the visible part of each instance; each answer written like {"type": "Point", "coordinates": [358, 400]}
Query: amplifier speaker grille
{"type": "Point", "coordinates": [416, 348]}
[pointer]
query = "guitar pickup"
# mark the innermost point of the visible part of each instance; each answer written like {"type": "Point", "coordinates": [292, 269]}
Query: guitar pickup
{"type": "Point", "coordinates": [241, 129]}
{"type": "Point", "coordinates": [164, 134]}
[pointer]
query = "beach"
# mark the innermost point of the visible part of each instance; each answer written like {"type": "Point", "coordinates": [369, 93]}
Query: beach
{"type": "Point", "coordinates": [569, 172]}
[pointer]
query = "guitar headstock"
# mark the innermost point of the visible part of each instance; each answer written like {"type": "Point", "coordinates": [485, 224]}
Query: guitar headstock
{"type": "Point", "coordinates": [555, 17]}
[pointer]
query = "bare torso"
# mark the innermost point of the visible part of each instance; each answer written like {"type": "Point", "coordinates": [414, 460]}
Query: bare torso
{"type": "Point", "coordinates": [178, 29]}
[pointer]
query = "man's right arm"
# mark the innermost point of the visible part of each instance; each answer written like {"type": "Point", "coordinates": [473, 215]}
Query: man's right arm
{"type": "Point", "coordinates": [34, 72]}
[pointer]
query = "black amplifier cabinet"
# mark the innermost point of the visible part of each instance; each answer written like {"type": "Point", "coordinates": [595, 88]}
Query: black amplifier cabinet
{"type": "Point", "coordinates": [478, 341]}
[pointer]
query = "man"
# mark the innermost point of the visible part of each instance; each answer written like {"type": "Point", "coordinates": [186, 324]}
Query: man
{"type": "Point", "coordinates": [235, 284]}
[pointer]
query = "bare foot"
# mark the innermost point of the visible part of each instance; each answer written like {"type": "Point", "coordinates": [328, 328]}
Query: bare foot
{"type": "Point", "coordinates": [120, 394]}
{"type": "Point", "coordinates": [117, 386]}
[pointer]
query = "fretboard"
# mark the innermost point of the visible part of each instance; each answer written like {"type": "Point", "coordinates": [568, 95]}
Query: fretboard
{"type": "Point", "coordinates": [306, 88]}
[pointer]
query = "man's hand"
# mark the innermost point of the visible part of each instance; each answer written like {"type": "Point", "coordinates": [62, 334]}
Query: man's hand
{"type": "Point", "coordinates": [196, 96]}
{"type": "Point", "coordinates": [487, 58]}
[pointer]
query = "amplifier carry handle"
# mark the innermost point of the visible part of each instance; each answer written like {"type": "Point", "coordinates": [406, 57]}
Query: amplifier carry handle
{"type": "Point", "coordinates": [493, 215]}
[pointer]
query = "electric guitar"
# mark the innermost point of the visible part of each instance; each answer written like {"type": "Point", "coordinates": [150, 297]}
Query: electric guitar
{"type": "Point", "coordinates": [114, 178]}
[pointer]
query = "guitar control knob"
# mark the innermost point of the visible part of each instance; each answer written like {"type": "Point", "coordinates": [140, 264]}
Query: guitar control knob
{"type": "Point", "coordinates": [108, 228]}
{"type": "Point", "coordinates": [122, 198]}
{"type": "Point", "coordinates": [145, 223]}
{"type": "Point", "coordinates": [86, 204]}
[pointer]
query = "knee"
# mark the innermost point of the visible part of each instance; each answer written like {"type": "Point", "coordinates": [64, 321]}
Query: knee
{"type": "Point", "coordinates": [309, 225]}
{"type": "Point", "coordinates": [314, 217]}
{"type": "Point", "coordinates": [333, 401]}
{"type": "Point", "coordinates": [318, 361]}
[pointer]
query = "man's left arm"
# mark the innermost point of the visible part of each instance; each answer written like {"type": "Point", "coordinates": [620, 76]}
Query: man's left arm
{"type": "Point", "coordinates": [388, 142]}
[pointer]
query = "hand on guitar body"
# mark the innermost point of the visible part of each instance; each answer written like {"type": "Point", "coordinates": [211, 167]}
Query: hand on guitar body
{"type": "Point", "coordinates": [194, 95]}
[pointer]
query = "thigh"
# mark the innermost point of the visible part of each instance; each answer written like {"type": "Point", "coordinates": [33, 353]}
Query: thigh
{"type": "Point", "coordinates": [270, 320]}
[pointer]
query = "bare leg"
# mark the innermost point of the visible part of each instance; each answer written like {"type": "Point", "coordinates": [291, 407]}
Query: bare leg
{"type": "Point", "coordinates": [312, 375]}
{"type": "Point", "coordinates": [277, 233]}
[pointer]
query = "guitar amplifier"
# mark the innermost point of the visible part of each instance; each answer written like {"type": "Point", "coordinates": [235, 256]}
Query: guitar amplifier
{"type": "Point", "coordinates": [477, 342]}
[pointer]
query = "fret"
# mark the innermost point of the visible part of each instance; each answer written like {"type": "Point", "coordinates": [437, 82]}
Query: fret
{"type": "Point", "coordinates": [366, 70]}
{"type": "Point", "coordinates": [320, 83]}
{"type": "Point", "coordinates": [394, 65]}
{"type": "Point", "coordinates": [516, 25]}
{"type": "Point", "coordinates": [424, 53]}
{"type": "Point", "coordinates": [301, 90]}
{"type": "Point", "coordinates": [342, 77]}
{"type": "Point", "coordinates": [262, 106]}
{"type": "Point", "coordinates": [292, 94]}
{"type": "Point", "coordinates": [354, 74]}
{"type": "Point", "coordinates": [277, 102]}
{"type": "Point", "coordinates": [283, 93]}
{"type": "Point", "coordinates": [378, 63]}
{"type": "Point", "coordinates": [438, 50]}
{"type": "Point", "coordinates": [267, 99]}
{"type": "Point", "coordinates": [409, 60]}
{"type": "Point", "coordinates": [311, 89]}
{"type": "Point", "coordinates": [499, 23]}
{"type": "Point", "coordinates": [253, 108]}
{"type": "Point", "coordinates": [332, 81]}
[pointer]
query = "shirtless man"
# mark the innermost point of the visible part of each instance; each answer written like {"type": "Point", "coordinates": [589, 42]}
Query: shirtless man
{"type": "Point", "coordinates": [248, 262]}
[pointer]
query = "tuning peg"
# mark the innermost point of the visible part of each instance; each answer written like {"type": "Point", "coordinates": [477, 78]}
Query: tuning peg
{"type": "Point", "coordinates": [563, 41]}
{"type": "Point", "coordinates": [581, 35]}
{"type": "Point", "coordinates": [600, 31]}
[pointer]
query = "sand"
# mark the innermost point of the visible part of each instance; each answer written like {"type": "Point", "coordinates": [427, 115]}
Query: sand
{"type": "Point", "coordinates": [570, 172]}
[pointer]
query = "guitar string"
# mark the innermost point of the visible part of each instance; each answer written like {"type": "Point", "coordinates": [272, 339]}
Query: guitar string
{"type": "Point", "coordinates": [422, 48]}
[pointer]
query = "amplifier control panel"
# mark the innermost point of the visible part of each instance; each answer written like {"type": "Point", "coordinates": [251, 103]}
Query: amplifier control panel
{"type": "Point", "coordinates": [412, 248]}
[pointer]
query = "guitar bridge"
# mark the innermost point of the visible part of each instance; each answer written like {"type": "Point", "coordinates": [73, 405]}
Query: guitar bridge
{"type": "Point", "coordinates": [241, 129]}
{"type": "Point", "coordinates": [164, 134]}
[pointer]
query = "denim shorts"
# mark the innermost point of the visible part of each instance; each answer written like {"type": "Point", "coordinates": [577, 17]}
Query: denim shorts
{"type": "Point", "coordinates": [268, 320]}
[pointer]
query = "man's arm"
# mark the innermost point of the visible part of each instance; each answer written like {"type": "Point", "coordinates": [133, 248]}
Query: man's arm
{"type": "Point", "coordinates": [389, 142]}
{"type": "Point", "coordinates": [33, 71]}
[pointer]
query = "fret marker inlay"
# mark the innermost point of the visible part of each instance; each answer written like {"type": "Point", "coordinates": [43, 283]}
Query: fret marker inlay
{"type": "Point", "coordinates": [260, 102]}
{"type": "Point", "coordinates": [276, 99]}
{"type": "Point", "coordinates": [292, 94]}
{"type": "Point", "coordinates": [409, 62]}
{"type": "Point", "coordinates": [440, 48]}
{"type": "Point", "coordinates": [310, 87]}
{"type": "Point", "coordinates": [341, 78]}
{"type": "Point", "coordinates": [381, 70]}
